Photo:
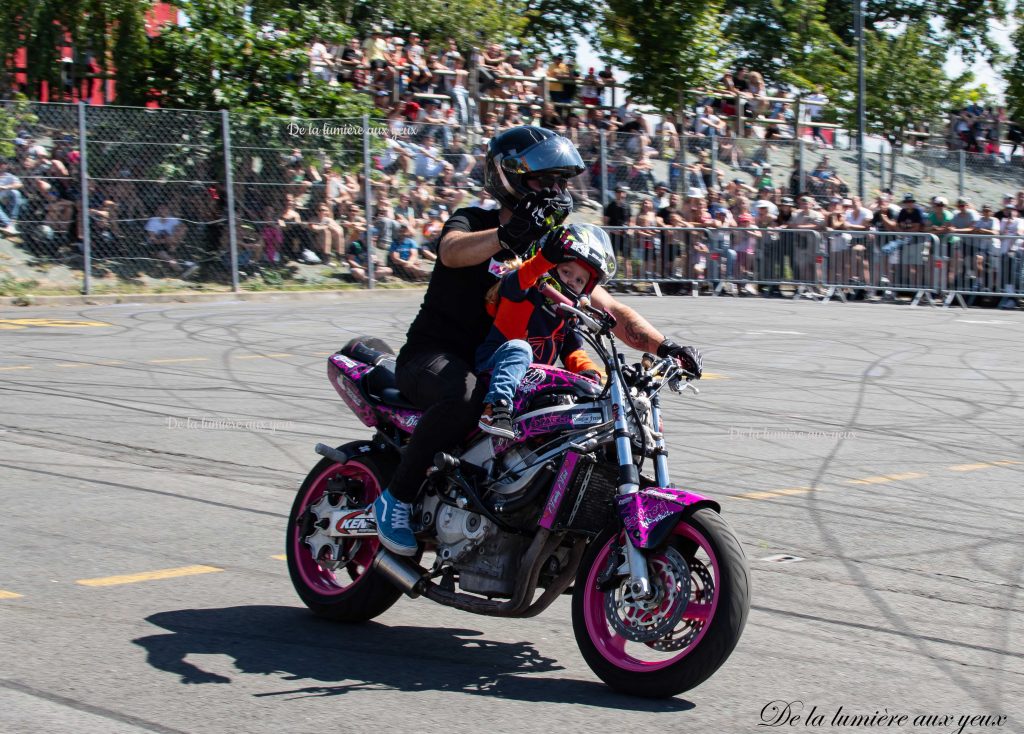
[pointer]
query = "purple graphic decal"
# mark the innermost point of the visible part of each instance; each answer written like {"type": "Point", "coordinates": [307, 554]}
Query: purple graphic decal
{"type": "Point", "coordinates": [643, 512]}
{"type": "Point", "coordinates": [558, 490]}
{"type": "Point", "coordinates": [345, 375]}
{"type": "Point", "coordinates": [541, 378]}
{"type": "Point", "coordinates": [404, 418]}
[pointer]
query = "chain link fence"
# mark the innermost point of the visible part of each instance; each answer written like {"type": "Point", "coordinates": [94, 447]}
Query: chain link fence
{"type": "Point", "coordinates": [191, 200]}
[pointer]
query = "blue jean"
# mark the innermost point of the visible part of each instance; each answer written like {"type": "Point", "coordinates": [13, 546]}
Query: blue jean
{"type": "Point", "coordinates": [11, 199]}
{"type": "Point", "coordinates": [508, 366]}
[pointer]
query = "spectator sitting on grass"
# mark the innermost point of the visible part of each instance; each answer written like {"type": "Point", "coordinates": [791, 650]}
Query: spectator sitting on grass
{"type": "Point", "coordinates": [164, 234]}
{"type": "Point", "coordinates": [404, 256]}
{"type": "Point", "coordinates": [330, 235]}
{"type": "Point", "coordinates": [11, 198]}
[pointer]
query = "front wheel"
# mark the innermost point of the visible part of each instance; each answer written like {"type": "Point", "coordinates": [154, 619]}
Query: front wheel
{"type": "Point", "coordinates": [677, 639]}
{"type": "Point", "coordinates": [332, 576]}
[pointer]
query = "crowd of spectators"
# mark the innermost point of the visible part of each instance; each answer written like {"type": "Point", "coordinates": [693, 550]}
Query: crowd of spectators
{"type": "Point", "coordinates": [744, 239]}
{"type": "Point", "coordinates": [401, 64]}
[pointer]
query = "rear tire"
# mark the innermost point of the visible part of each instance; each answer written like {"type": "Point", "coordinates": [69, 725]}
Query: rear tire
{"type": "Point", "coordinates": [718, 604]}
{"type": "Point", "coordinates": [357, 592]}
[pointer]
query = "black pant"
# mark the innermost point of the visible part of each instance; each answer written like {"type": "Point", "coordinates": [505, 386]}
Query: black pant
{"type": "Point", "coordinates": [445, 387]}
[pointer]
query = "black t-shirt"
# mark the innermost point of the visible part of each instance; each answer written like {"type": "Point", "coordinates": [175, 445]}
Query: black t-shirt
{"type": "Point", "coordinates": [618, 215]}
{"type": "Point", "coordinates": [909, 217]}
{"type": "Point", "coordinates": [453, 316]}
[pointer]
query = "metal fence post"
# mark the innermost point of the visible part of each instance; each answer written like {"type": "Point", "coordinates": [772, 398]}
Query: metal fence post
{"type": "Point", "coordinates": [604, 168]}
{"type": "Point", "coordinates": [714, 161]}
{"type": "Point", "coordinates": [960, 173]}
{"type": "Point", "coordinates": [802, 177]}
{"type": "Point", "coordinates": [881, 168]}
{"type": "Point", "coordinates": [229, 184]}
{"type": "Point", "coordinates": [83, 173]}
{"type": "Point", "coordinates": [368, 203]}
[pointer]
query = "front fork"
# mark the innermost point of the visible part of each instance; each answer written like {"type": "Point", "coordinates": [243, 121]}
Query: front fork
{"type": "Point", "coordinates": [629, 477]}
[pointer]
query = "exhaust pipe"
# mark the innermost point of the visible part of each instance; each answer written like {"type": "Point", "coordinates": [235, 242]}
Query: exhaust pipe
{"type": "Point", "coordinates": [399, 572]}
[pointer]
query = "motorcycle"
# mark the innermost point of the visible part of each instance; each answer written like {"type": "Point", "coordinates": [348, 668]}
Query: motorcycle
{"type": "Point", "coordinates": [660, 585]}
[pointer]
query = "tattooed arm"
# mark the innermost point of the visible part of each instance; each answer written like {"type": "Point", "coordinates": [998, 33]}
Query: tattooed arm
{"type": "Point", "coordinates": [631, 328]}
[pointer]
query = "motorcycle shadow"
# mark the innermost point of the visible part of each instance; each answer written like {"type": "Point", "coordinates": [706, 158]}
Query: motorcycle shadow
{"type": "Point", "coordinates": [292, 643]}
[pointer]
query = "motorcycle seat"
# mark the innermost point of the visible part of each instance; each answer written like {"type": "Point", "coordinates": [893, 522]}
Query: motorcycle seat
{"type": "Point", "coordinates": [380, 384]}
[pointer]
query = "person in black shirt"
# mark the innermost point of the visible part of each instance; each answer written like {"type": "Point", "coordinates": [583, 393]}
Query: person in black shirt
{"type": "Point", "coordinates": [617, 214]}
{"type": "Point", "coordinates": [526, 171]}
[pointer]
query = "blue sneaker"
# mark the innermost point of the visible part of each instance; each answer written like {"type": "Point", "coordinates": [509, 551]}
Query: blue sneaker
{"type": "Point", "coordinates": [393, 525]}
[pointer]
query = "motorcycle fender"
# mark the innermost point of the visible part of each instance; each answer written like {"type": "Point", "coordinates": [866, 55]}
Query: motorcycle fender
{"type": "Point", "coordinates": [650, 514]}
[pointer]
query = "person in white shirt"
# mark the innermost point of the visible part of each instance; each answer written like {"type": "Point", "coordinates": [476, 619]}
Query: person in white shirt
{"type": "Point", "coordinates": [858, 219]}
{"type": "Point", "coordinates": [812, 112]}
{"type": "Point", "coordinates": [320, 61]}
{"type": "Point", "coordinates": [164, 234]}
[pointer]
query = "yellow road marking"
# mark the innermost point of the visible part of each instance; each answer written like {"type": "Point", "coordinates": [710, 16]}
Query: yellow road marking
{"type": "Point", "coordinates": [177, 359]}
{"type": "Point", "coordinates": [886, 478]}
{"type": "Point", "coordinates": [768, 494]}
{"type": "Point", "coordinates": [261, 356]}
{"type": "Point", "coordinates": [166, 573]}
{"type": "Point", "coordinates": [9, 595]}
{"type": "Point", "coordinates": [969, 467]}
{"type": "Point", "coordinates": [1006, 462]}
{"type": "Point", "coordinates": [53, 323]}
{"type": "Point", "coordinates": [280, 557]}
{"type": "Point", "coordinates": [18, 367]}
{"type": "Point", "coordinates": [714, 376]}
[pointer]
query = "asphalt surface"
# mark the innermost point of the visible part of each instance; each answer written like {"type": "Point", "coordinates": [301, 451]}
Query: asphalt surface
{"type": "Point", "coordinates": [153, 451]}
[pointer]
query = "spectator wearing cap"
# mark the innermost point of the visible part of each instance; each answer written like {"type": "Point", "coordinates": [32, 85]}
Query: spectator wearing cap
{"type": "Point", "coordinates": [807, 218]}
{"type": "Point", "coordinates": [908, 252]}
{"type": "Point", "coordinates": [964, 221]}
{"type": "Point", "coordinates": [590, 89]}
{"type": "Point", "coordinates": [11, 198]}
{"type": "Point", "coordinates": [1006, 250]}
{"type": "Point", "coordinates": [940, 218]}
{"type": "Point", "coordinates": [1009, 202]}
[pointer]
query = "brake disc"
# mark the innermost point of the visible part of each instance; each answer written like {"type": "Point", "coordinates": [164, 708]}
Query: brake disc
{"type": "Point", "coordinates": [646, 620]}
{"type": "Point", "coordinates": [681, 637]}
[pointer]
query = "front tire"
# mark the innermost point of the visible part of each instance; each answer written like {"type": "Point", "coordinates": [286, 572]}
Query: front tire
{"type": "Point", "coordinates": [356, 592]}
{"type": "Point", "coordinates": [718, 601]}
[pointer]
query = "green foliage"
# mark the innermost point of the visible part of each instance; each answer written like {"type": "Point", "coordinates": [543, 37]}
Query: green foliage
{"type": "Point", "coordinates": [904, 80]}
{"type": "Point", "coordinates": [114, 30]}
{"type": "Point", "coordinates": [13, 117]}
{"type": "Point", "coordinates": [1014, 72]}
{"type": "Point", "coordinates": [665, 46]}
{"type": "Point", "coordinates": [960, 24]}
{"type": "Point", "coordinates": [789, 43]}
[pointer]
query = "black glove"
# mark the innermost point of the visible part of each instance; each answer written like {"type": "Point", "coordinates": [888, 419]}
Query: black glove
{"type": "Point", "coordinates": [555, 251]}
{"type": "Point", "coordinates": [689, 358]}
{"type": "Point", "coordinates": [593, 375]}
{"type": "Point", "coordinates": [533, 215]}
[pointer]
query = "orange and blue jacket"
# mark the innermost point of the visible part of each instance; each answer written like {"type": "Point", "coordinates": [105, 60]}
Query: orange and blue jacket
{"type": "Point", "coordinates": [523, 313]}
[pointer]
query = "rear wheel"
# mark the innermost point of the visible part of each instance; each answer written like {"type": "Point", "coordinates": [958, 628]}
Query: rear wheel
{"type": "Point", "coordinates": [333, 576]}
{"type": "Point", "coordinates": [678, 639]}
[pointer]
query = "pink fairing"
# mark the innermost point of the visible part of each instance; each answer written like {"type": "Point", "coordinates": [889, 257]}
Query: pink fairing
{"type": "Point", "coordinates": [650, 514]}
{"type": "Point", "coordinates": [345, 374]}
{"type": "Point", "coordinates": [404, 418]}
{"type": "Point", "coordinates": [558, 489]}
{"type": "Point", "coordinates": [543, 378]}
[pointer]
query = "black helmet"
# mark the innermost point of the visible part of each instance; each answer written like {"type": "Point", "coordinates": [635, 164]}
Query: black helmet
{"type": "Point", "coordinates": [523, 151]}
{"type": "Point", "coordinates": [588, 245]}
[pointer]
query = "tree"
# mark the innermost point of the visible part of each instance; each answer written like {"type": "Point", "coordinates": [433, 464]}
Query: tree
{"type": "Point", "coordinates": [904, 79]}
{"type": "Point", "coordinates": [960, 24]}
{"type": "Point", "coordinates": [1014, 73]}
{"type": "Point", "coordinates": [112, 30]}
{"type": "Point", "coordinates": [223, 60]}
{"type": "Point", "coordinates": [666, 46]}
{"type": "Point", "coordinates": [789, 43]}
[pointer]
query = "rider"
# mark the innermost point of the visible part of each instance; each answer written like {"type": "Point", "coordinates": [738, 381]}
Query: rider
{"type": "Point", "coordinates": [572, 261]}
{"type": "Point", "coordinates": [527, 170]}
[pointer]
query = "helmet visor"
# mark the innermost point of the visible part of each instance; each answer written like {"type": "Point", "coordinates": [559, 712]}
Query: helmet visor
{"type": "Point", "coordinates": [556, 156]}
